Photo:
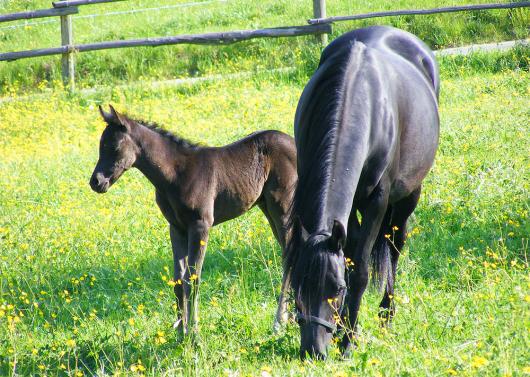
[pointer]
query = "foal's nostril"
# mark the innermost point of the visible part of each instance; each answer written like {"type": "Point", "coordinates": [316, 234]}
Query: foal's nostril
{"type": "Point", "coordinates": [98, 182]}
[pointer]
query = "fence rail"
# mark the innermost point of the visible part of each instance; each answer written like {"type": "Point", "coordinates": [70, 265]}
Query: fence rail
{"type": "Point", "coordinates": [41, 13]}
{"type": "Point", "coordinates": [75, 3]}
{"type": "Point", "coordinates": [322, 20]}
{"type": "Point", "coordinates": [200, 39]}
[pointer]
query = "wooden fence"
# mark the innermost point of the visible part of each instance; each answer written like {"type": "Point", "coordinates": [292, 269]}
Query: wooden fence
{"type": "Point", "coordinates": [320, 26]}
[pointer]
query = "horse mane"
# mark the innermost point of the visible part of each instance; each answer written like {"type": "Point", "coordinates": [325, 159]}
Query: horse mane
{"type": "Point", "coordinates": [168, 135]}
{"type": "Point", "coordinates": [315, 166]}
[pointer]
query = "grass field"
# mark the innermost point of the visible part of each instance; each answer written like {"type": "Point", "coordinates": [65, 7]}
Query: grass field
{"type": "Point", "coordinates": [84, 277]}
{"type": "Point", "coordinates": [124, 65]}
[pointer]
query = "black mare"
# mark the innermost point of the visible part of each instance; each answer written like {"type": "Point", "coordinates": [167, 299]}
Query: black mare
{"type": "Point", "coordinates": [366, 131]}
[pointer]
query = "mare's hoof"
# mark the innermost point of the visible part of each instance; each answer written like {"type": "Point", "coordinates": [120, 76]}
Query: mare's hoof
{"type": "Point", "coordinates": [347, 354]}
{"type": "Point", "coordinates": [348, 344]}
{"type": "Point", "coordinates": [385, 318]}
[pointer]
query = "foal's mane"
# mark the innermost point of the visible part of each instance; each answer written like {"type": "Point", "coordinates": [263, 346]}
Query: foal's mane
{"type": "Point", "coordinates": [168, 135]}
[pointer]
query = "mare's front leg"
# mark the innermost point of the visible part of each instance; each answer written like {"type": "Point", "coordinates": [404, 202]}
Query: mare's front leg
{"type": "Point", "coordinates": [400, 214]}
{"type": "Point", "coordinates": [179, 243]}
{"type": "Point", "coordinates": [373, 214]}
{"type": "Point", "coordinates": [197, 242]}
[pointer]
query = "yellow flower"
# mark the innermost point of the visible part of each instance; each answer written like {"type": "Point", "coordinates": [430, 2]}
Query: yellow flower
{"type": "Point", "coordinates": [160, 337]}
{"type": "Point", "coordinates": [131, 321]}
{"type": "Point", "coordinates": [193, 277]}
{"type": "Point", "coordinates": [451, 372]}
{"type": "Point", "coordinates": [202, 243]}
{"type": "Point", "coordinates": [70, 343]}
{"type": "Point", "coordinates": [479, 361]}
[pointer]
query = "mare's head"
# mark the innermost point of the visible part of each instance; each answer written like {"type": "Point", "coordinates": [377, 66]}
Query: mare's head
{"type": "Point", "coordinates": [117, 151]}
{"type": "Point", "coordinates": [317, 267]}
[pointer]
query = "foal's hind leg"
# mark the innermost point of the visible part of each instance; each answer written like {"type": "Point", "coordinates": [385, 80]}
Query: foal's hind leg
{"type": "Point", "coordinates": [179, 243]}
{"type": "Point", "coordinates": [276, 214]}
{"type": "Point", "coordinates": [197, 240]}
{"type": "Point", "coordinates": [398, 231]}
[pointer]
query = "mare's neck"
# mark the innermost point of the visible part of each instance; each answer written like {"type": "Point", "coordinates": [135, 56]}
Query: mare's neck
{"type": "Point", "coordinates": [159, 158]}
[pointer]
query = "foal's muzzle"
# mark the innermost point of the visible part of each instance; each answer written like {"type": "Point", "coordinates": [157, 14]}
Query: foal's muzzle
{"type": "Point", "coordinates": [99, 183]}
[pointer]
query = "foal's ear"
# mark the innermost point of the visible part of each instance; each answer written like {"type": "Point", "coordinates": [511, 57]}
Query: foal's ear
{"type": "Point", "coordinates": [113, 118]}
{"type": "Point", "coordinates": [338, 236]}
{"type": "Point", "coordinates": [107, 117]}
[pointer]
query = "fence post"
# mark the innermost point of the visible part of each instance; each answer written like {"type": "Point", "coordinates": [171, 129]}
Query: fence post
{"type": "Point", "coordinates": [319, 11]}
{"type": "Point", "coordinates": [67, 60]}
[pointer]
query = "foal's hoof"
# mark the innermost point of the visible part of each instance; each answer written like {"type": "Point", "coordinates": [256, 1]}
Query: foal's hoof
{"type": "Point", "coordinates": [179, 327]}
{"type": "Point", "coordinates": [280, 321]}
{"type": "Point", "coordinates": [178, 324]}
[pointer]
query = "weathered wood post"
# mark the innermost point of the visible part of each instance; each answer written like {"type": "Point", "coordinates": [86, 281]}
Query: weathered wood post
{"type": "Point", "coordinates": [319, 11]}
{"type": "Point", "coordinates": [67, 60]}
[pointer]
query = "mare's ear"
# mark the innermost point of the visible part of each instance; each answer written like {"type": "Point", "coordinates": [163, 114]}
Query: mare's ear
{"type": "Point", "coordinates": [113, 118]}
{"type": "Point", "coordinates": [338, 236]}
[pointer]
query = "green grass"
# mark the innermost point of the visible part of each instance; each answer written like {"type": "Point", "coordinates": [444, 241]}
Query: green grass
{"type": "Point", "coordinates": [83, 277]}
{"type": "Point", "coordinates": [109, 67]}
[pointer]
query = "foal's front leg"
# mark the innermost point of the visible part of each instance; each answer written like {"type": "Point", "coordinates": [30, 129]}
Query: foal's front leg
{"type": "Point", "coordinates": [197, 242]}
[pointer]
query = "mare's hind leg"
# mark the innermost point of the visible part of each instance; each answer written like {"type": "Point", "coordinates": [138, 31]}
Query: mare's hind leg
{"type": "Point", "coordinates": [179, 243]}
{"type": "Point", "coordinates": [398, 232]}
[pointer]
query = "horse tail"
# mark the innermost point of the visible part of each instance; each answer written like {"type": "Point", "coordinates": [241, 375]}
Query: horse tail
{"type": "Point", "coordinates": [380, 256]}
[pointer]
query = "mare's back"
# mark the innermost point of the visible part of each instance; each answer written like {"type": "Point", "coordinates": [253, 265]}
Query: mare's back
{"type": "Point", "coordinates": [396, 46]}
